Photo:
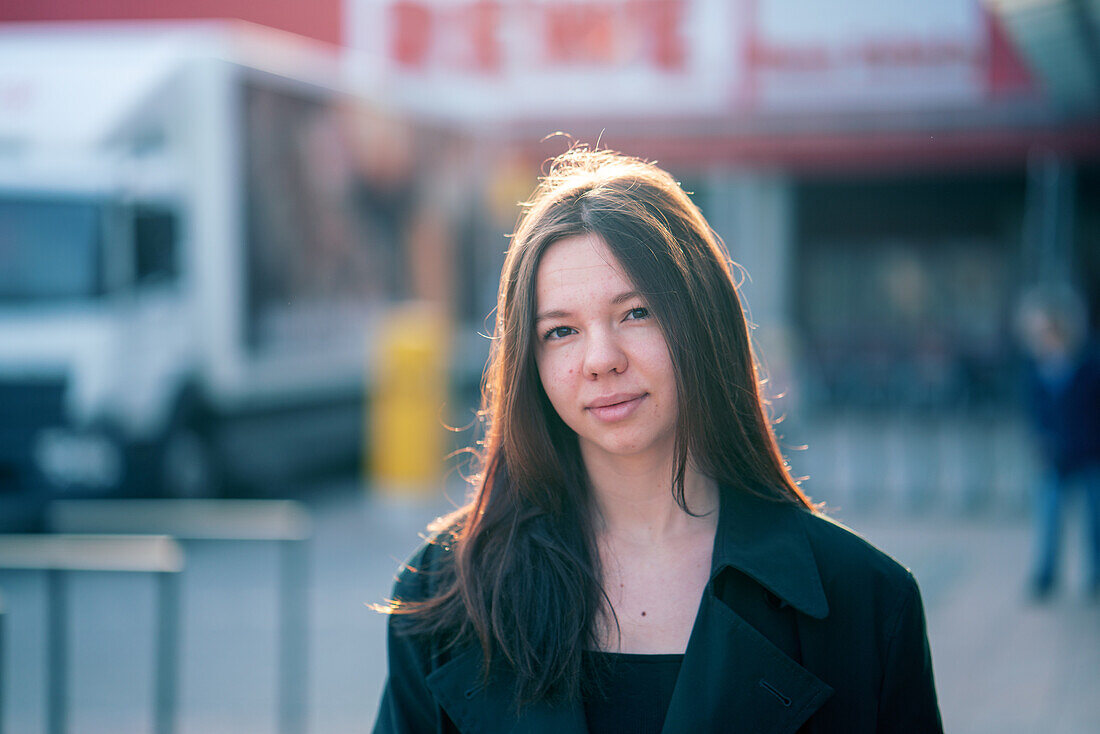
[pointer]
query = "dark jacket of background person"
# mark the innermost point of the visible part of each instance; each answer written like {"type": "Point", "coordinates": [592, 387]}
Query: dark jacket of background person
{"type": "Point", "coordinates": [1064, 405]}
{"type": "Point", "coordinates": [804, 627]}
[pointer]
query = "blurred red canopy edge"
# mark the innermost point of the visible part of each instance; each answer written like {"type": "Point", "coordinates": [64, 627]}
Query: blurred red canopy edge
{"type": "Point", "coordinates": [319, 19]}
{"type": "Point", "coordinates": [575, 32]}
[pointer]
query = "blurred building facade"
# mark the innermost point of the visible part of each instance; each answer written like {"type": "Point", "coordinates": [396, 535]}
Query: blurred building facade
{"type": "Point", "coordinates": [890, 176]}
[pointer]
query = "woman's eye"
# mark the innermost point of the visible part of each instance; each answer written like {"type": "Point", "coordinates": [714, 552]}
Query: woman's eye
{"type": "Point", "coordinates": [558, 332]}
{"type": "Point", "coordinates": [638, 313]}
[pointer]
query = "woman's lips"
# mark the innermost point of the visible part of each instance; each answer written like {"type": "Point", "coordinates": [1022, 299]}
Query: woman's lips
{"type": "Point", "coordinates": [617, 411]}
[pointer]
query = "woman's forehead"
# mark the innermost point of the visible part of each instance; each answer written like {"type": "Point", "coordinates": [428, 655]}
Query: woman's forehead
{"type": "Point", "coordinates": [579, 264]}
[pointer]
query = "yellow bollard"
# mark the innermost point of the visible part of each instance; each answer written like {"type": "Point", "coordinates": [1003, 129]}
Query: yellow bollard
{"type": "Point", "coordinates": [406, 430]}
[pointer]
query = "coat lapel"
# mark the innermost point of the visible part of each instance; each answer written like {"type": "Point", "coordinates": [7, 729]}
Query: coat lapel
{"type": "Point", "coordinates": [766, 540]}
{"type": "Point", "coordinates": [490, 709]}
{"type": "Point", "coordinates": [734, 679]}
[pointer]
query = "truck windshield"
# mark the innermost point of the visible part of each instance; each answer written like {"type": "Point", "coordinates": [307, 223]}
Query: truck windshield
{"type": "Point", "coordinates": [49, 249]}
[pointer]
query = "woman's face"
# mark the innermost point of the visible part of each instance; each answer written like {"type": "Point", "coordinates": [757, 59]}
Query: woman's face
{"type": "Point", "coordinates": [602, 357]}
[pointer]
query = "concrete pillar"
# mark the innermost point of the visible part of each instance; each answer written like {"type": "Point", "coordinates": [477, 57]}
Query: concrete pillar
{"type": "Point", "coordinates": [1048, 224]}
{"type": "Point", "coordinates": [753, 212]}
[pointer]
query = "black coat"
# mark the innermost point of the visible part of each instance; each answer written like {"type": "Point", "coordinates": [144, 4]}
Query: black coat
{"type": "Point", "coordinates": [804, 627]}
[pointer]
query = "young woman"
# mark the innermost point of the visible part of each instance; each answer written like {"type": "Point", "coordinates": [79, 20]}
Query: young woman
{"type": "Point", "coordinates": [635, 556]}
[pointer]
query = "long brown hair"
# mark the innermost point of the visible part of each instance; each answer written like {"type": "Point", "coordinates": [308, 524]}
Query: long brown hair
{"type": "Point", "coordinates": [523, 578]}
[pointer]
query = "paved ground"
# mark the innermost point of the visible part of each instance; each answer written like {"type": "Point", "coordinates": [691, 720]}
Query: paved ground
{"type": "Point", "coordinates": [1003, 666]}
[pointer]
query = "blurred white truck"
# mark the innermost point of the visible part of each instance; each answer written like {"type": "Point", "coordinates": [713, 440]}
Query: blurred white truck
{"type": "Point", "coordinates": [194, 241]}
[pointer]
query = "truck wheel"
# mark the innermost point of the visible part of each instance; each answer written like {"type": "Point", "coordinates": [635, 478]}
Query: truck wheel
{"type": "Point", "coordinates": [189, 466]}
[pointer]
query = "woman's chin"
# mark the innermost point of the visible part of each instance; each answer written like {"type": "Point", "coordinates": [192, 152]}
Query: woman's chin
{"type": "Point", "coordinates": [625, 449]}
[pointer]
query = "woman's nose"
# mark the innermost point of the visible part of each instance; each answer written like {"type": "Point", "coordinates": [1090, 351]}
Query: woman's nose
{"type": "Point", "coordinates": [603, 355]}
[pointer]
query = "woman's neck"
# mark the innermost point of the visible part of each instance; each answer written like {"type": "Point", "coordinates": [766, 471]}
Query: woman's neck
{"type": "Point", "coordinates": [636, 504]}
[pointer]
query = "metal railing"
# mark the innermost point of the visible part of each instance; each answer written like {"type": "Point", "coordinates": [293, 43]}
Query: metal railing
{"type": "Point", "coordinates": [2, 658]}
{"type": "Point", "coordinates": [960, 463]}
{"type": "Point", "coordinates": [284, 522]}
{"type": "Point", "coordinates": [60, 555]}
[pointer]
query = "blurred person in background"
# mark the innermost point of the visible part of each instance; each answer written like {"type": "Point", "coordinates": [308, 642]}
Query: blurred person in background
{"type": "Point", "coordinates": [636, 556]}
{"type": "Point", "coordinates": [1063, 401]}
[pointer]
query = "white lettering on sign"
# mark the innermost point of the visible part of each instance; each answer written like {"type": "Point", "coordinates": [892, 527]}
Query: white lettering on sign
{"type": "Point", "coordinates": [473, 35]}
{"type": "Point", "coordinates": [515, 58]}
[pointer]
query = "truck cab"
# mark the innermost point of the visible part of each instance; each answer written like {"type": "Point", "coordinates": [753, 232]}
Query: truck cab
{"type": "Point", "coordinates": [91, 286]}
{"type": "Point", "coordinates": [187, 286]}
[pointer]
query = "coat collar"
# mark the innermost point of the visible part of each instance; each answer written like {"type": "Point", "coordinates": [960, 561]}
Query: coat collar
{"type": "Point", "coordinates": [730, 672]}
{"type": "Point", "coordinates": [766, 540]}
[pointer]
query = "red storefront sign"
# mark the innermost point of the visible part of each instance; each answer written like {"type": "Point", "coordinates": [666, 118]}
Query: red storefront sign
{"type": "Point", "coordinates": [473, 35]}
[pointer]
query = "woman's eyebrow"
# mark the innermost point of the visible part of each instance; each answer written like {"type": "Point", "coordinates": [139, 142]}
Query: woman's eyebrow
{"type": "Point", "coordinates": [556, 314]}
{"type": "Point", "coordinates": [622, 297]}
{"type": "Point", "coordinates": [560, 314]}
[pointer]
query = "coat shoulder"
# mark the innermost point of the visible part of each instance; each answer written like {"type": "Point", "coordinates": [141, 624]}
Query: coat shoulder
{"type": "Point", "coordinates": [418, 577]}
{"type": "Point", "coordinates": [846, 558]}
